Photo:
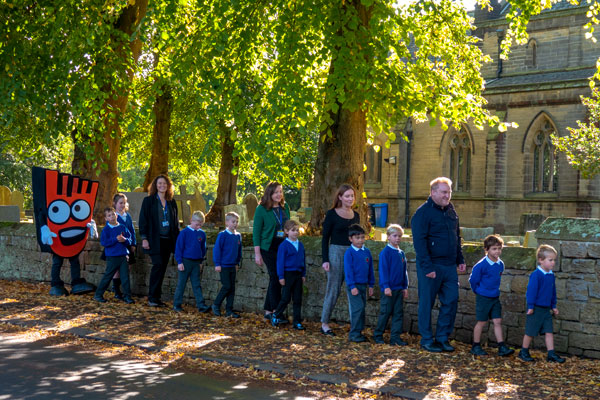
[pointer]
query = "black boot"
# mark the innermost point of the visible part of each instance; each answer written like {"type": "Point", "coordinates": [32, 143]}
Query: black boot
{"type": "Point", "coordinates": [117, 289]}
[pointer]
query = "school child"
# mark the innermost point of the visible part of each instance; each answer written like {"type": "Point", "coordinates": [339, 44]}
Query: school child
{"type": "Point", "coordinates": [227, 255]}
{"type": "Point", "coordinates": [115, 238]}
{"type": "Point", "coordinates": [358, 271]}
{"type": "Point", "coordinates": [291, 270]}
{"type": "Point", "coordinates": [393, 281]}
{"type": "Point", "coordinates": [190, 251]}
{"type": "Point", "coordinates": [121, 207]}
{"type": "Point", "coordinates": [541, 304]}
{"type": "Point", "coordinates": [485, 283]}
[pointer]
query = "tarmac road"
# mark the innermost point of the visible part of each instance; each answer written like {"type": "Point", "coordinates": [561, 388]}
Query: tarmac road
{"type": "Point", "coordinates": [32, 370]}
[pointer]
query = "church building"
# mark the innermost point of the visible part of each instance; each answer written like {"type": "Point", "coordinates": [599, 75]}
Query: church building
{"type": "Point", "coordinates": [503, 179]}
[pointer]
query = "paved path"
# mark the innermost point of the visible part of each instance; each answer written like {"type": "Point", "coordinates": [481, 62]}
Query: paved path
{"type": "Point", "coordinates": [32, 370]}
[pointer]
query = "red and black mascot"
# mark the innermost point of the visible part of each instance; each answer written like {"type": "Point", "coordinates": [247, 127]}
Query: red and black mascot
{"type": "Point", "coordinates": [63, 207]}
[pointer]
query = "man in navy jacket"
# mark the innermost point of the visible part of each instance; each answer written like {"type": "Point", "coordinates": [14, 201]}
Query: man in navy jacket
{"type": "Point", "coordinates": [436, 237]}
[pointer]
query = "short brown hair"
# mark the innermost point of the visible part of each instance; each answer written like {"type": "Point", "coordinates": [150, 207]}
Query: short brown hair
{"type": "Point", "coordinates": [440, 179]}
{"type": "Point", "coordinates": [492, 240]}
{"type": "Point", "coordinates": [109, 210]}
{"type": "Point", "coordinates": [290, 224]}
{"type": "Point", "coordinates": [544, 251]}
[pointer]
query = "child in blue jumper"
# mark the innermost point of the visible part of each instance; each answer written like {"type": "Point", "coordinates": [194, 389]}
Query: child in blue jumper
{"type": "Point", "coordinates": [541, 304]}
{"type": "Point", "coordinates": [291, 270]}
{"type": "Point", "coordinates": [393, 281]}
{"type": "Point", "coordinates": [116, 239]}
{"type": "Point", "coordinates": [485, 283]}
{"type": "Point", "coordinates": [227, 255]}
{"type": "Point", "coordinates": [190, 251]}
{"type": "Point", "coordinates": [358, 271]}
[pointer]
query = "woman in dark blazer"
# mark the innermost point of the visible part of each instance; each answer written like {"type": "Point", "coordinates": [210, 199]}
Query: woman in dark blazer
{"type": "Point", "coordinates": [159, 228]}
{"type": "Point", "coordinates": [267, 235]}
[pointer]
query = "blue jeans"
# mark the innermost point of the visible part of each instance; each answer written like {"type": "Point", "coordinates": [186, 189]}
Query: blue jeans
{"type": "Point", "coordinates": [191, 271]}
{"type": "Point", "coordinates": [444, 286]}
{"type": "Point", "coordinates": [356, 306]}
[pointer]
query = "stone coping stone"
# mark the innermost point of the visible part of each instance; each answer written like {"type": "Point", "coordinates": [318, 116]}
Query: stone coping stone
{"type": "Point", "coordinates": [570, 229]}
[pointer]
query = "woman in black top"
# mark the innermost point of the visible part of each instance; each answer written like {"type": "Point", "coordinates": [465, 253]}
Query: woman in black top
{"type": "Point", "coordinates": [334, 245]}
{"type": "Point", "coordinates": [159, 228]}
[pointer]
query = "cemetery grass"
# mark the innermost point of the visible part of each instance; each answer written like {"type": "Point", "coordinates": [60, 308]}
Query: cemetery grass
{"type": "Point", "coordinates": [251, 348]}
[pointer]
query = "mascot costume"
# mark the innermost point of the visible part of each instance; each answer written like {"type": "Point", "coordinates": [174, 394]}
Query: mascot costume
{"type": "Point", "coordinates": [63, 207]}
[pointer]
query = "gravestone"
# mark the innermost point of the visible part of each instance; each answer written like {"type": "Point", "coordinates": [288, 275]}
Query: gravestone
{"type": "Point", "coordinates": [10, 214]}
{"type": "Point", "coordinates": [138, 190]}
{"type": "Point", "coordinates": [135, 199]}
{"type": "Point", "coordinates": [17, 199]}
{"type": "Point", "coordinates": [240, 209]}
{"type": "Point", "coordinates": [251, 203]}
{"type": "Point", "coordinates": [4, 196]}
{"type": "Point", "coordinates": [475, 234]}
{"type": "Point", "coordinates": [197, 202]}
{"type": "Point", "coordinates": [530, 222]}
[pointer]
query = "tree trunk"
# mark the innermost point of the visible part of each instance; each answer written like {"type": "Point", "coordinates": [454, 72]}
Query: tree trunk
{"type": "Point", "coordinates": [227, 189]}
{"type": "Point", "coordinates": [340, 158]}
{"type": "Point", "coordinates": [159, 161]}
{"type": "Point", "coordinates": [103, 165]}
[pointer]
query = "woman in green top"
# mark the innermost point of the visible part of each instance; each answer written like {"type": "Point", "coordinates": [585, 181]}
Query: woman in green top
{"type": "Point", "coordinates": [267, 235]}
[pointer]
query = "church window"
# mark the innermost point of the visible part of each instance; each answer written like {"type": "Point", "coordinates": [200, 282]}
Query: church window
{"type": "Point", "coordinates": [373, 162]}
{"type": "Point", "coordinates": [531, 54]}
{"type": "Point", "coordinates": [545, 160]}
{"type": "Point", "coordinates": [460, 160]}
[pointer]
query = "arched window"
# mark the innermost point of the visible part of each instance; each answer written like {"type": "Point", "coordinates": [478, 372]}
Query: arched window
{"type": "Point", "coordinates": [373, 162]}
{"type": "Point", "coordinates": [460, 160]}
{"type": "Point", "coordinates": [545, 160]}
{"type": "Point", "coordinates": [531, 54]}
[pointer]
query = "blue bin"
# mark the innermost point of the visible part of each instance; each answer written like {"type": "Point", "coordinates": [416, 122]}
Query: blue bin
{"type": "Point", "coordinates": [381, 212]}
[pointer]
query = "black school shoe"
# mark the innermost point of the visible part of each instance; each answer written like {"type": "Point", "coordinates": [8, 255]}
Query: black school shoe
{"type": "Point", "coordinates": [359, 339]}
{"type": "Point", "coordinates": [232, 314]}
{"type": "Point", "coordinates": [398, 342]}
{"type": "Point", "coordinates": [446, 346]}
{"type": "Point", "coordinates": [504, 351]}
{"type": "Point", "coordinates": [204, 309]}
{"type": "Point", "coordinates": [299, 327]}
{"type": "Point", "coordinates": [216, 310]}
{"type": "Point", "coordinates": [553, 357]}
{"type": "Point", "coordinates": [525, 356]}
{"type": "Point", "coordinates": [432, 347]}
{"type": "Point", "coordinates": [477, 350]}
{"type": "Point", "coordinates": [129, 300]}
{"type": "Point", "coordinates": [328, 332]}
{"type": "Point", "coordinates": [100, 299]}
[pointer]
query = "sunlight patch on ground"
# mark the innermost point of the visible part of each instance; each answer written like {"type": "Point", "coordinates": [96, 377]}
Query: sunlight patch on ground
{"type": "Point", "coordinates": [382, 375]}
{"type": "Point", "coordinates": [194, 341]}
{"type": "Point", "coordinates": [6, 301]}
{"type": "Point", "coordinates": [444, 389]}
{"type": "Point", "coordinates": [80, 320]}
{"type": "Point", "coordinates": [496, 388]}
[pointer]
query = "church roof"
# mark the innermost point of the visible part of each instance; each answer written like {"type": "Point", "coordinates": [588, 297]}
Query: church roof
{"type": "Point", "coordinates": [535, 81]}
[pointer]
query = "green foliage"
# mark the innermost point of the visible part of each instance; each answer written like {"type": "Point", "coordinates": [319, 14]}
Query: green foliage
{"type": "Point", "coordinates": [582, 146]}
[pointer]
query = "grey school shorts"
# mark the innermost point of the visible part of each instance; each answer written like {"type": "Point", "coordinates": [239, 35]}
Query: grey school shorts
{"type": "Point", "coordinates": [539, 322]}
{"type": "Point", "coordinates": [487, 308]}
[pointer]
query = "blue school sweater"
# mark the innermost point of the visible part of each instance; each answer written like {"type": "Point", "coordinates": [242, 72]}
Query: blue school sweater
{"type": "Point", "coordinates": [108, 239]}
{"type": "Point", "coordinates": [227, 252]}
{"type": "Point", "coordinates": [358, 267]}
{"type": "Point", "coordinates": [392, 269]}
{"type": "Point", "coordinates": [290, 259]}
{"type": "Point", "coordinates": [128, 222]}
{"type": "Point", "coordinates": [485, 277]}
{"type": "Point", "coordinates": [190, 244]}
{"type": "Point", "coordinates": [541, 289]}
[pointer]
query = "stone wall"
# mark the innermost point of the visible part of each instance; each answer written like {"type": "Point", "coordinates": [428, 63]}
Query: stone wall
{"type": "Point", "coordinates": [578, 277]}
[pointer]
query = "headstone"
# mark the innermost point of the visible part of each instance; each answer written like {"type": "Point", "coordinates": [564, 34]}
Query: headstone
{"type": "Point", "coordinates": [183, 204]}
{"type": "Point", "coordinates": [251, 203]}
{"type": "Point", "coordinates": [304, 214]}
{"type": "Point", "coordinates": [475, 234]}
{"type": "Point", "coordinates": [4, 196]}
{"type": "Point", "coordinates": [240, 209]}
{"type": "Point", "coordinates": [10, 214]}
{"type": "Point", "coordinates": [17, 199]}
{"type": "Point", "coordinates": [197, 203]}
{"type": "Point", "coordinates": [529, 222]}
{"type": "Point", "coordinates": [530, 240]}
{"type": "Point", "coordinates": [138, 190]}
{"type": "Point", "coordinates": [135, 199]}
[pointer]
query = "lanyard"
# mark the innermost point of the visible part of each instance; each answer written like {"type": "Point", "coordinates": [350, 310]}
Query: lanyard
{"type": "Point", "coordinates": [278, 218]}
{"type": "Point", "coordinates": [165, 211]}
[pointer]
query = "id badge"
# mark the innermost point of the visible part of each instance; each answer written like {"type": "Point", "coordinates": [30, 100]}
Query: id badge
{"type": "Point", "coordinates": [165, 223]}
{"type": "Point", "coordinates": [280, 234]}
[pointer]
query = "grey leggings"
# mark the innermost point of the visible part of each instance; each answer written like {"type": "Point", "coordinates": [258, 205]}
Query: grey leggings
{"type": "Point", "coordinates": [335, 278]}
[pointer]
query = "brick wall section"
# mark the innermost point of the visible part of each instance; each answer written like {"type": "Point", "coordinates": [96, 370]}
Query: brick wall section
{"type": "Point", "coordinates": [578, 277]}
